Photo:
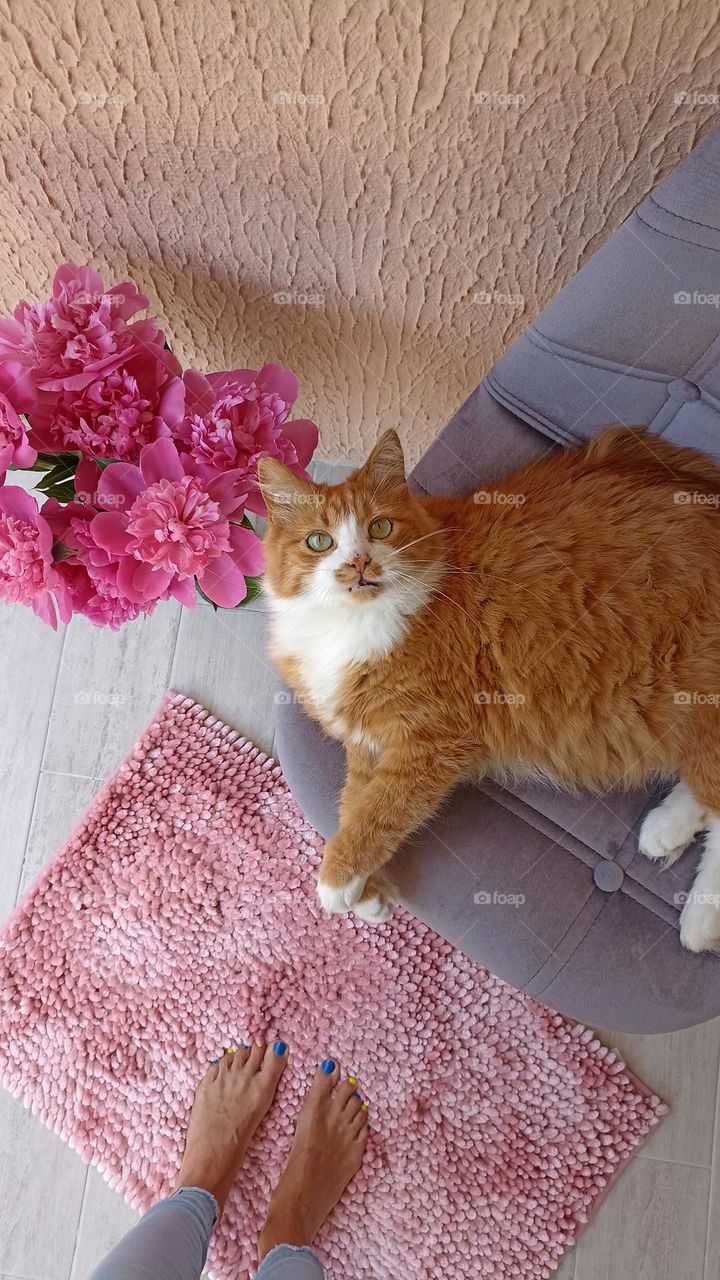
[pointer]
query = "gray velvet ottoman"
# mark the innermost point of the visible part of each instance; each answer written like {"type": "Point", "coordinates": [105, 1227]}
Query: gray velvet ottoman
{"type": "Point", "coordinates": [546, 889]}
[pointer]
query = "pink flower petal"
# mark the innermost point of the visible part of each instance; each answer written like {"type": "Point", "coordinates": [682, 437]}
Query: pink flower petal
{"type": "Point", "coordinates": [183, 589]}
{"type": "Point", "coordinates": [200, 393]}
{"type": "Point", "coordinates": [223, 582]}
{"type": "Point", "coordinates": [87, 478]}
{"type": "Point", "coordinates": [219, 382]}
{"type": "Point", "coordinates": [224, 490]}
{"type": "Point", "coordinates": [14, 501]}
{"type": "Point", "coordinates": [160, 461]}
{"type": "Point", "coordinates": [247, 550]}
{"type": "Point", "coordinates": [303, 434]}
{"type": "Point", "coordinates": [17, 386]}
{"type": "Point", "coordinates": [44, 606]}
{"type": "Point", "coordinates": [119, 485]}
{"type": "Point", "coordinates": [274, 377]}
{"type": "Point", "coordinates": [109, 529]}
{"type": "Point", "coordinates": [256, 503]}
{"type": "Point", "coordinates": [25, 455]}
{"type": "Point", "coordinates": [149, 583]}
{"type": "Point", "coordinates": [68, 274]}
{"type": "Point", "coordinates": [172, 402]}
{"type": "Point", "coordinates": [76, 381]}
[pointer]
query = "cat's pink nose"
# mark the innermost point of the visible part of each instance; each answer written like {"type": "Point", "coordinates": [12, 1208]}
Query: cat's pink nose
{"type": "Point", "coordinates": [360, 563]}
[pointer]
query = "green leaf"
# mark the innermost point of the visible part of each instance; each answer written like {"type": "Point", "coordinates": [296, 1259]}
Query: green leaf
{"type": "Point", "coordinates": [254, 589]}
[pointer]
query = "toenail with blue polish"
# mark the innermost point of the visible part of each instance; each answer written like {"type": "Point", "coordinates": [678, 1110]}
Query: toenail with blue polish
{"type": "Point", "coordinates": [328, 1066]}
{"type": "Point", "coordinates": [279, 1048]}
{"type": "Point", "coordinates": [356, 1094]}
{"type": "Point", "coordinates": [214, 1062]}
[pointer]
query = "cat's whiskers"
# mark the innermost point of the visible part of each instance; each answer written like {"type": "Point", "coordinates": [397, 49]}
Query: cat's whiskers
{"type": "Point", "coordinates": [433, 534]}
{"type": "Point", "coordinates": [410, 586]}
{"type": "Point", "coordinates": [437, 592]}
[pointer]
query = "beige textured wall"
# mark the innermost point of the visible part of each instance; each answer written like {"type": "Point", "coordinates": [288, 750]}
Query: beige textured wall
{"type": "Point", "coordinates": [349, 233]}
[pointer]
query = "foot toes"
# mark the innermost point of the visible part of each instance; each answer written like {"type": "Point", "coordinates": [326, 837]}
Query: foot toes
{"type": "Point", "coordinates": [275, 1060]}
{"type": "Point", "coordinates": [359, 1121]}
{"type": "Point", "coordinates": [346, 1090]}
{"type": "Point", "coordinates": [239, 1055]}
{"type": "Point", "coordinates": [326, 1076]}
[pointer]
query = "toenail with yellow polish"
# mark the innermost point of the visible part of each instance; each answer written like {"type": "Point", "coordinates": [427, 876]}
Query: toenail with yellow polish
{"type": "Point", "coordinates": [364, 1106]}
{"type": "Point", "coordinates": [352, 1080]}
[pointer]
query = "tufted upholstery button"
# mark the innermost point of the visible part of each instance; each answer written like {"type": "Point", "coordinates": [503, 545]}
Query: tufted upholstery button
{"type": "Point", "coordinates": [608, 876]}
{"type": "Point", "coordinates": [682, 389]}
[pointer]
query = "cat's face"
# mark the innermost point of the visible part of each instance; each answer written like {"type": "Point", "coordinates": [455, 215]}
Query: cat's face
{"type": "Point", "coordinates": [357, 541]}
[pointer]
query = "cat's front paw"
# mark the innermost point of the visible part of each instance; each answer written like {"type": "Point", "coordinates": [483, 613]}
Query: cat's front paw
{"type": "Point", "coordinates": [378, 901]}
{"type": "Point", "coordinates": [700, 922]}
{"type": "Point", "coordinates": [338, 888]}
{"type": "Point", "coordinates": [341, 897]}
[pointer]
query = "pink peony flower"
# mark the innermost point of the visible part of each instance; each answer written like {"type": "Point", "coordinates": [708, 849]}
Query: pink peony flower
{"type": "Point", "coordinates": [168, 526]}
{"type": "Point", "coordinates": [17, 395]}
{"type": "Point", "coordinates": [89, 572]}
{"type": "Point", "coordinates": [27, 573]}
{"type": "Point", "coordinates": [232, 419]}
{"type": "Point", "coordinates": [114, 417]}
{"type": "Point", "coordinates": [81, 333]}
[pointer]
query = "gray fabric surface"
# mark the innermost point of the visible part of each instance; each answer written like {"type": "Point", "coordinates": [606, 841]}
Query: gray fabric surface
{"type": "Point", "coordinates": [596, 934]}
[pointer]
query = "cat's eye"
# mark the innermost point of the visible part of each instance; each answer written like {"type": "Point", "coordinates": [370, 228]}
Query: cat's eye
{"type": "Point", "coordinates": [380, 528]}
{"type": "Point", "coordinates": [319, 541]}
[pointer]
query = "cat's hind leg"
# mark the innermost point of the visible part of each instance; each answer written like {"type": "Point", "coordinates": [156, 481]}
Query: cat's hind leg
{"type": "Point", "coordinates": [672, 826]}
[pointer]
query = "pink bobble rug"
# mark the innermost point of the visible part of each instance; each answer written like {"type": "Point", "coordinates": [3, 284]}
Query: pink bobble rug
{"type": "Point", "coordinates": [180, 916]}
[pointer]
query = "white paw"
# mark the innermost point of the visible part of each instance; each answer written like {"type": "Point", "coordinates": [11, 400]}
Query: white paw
{"type": "Point", "coordinates": [375, 910]}
{"type": "Point", "coordinates": [668, 830]}
{"type": "Point", "coordinates": [700, 923]}
{"type": "Point", "coordinates": [345, 897]}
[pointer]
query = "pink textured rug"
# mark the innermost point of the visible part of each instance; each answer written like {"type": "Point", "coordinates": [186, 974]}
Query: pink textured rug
{"type": "Point", "coordinates": [181, 916]}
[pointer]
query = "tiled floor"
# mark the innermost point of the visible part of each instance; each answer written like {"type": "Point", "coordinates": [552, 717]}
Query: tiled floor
{"type": "Point", "coordinates": [70, 706]}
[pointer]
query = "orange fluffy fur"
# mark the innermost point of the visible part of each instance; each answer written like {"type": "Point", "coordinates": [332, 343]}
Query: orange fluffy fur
{"type": "Point", "coordinates": [557, 621]}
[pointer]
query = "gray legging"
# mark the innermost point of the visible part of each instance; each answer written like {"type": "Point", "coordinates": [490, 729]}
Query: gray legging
{"type": "Point", "coordinates": [171, 1242]}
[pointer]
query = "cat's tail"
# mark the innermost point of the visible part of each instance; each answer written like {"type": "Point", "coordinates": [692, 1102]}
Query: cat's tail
{"type": "Point", "coordinates": [637, 452]}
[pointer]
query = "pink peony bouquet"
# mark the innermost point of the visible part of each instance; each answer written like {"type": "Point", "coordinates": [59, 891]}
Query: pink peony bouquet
{"type": "Point", "coordinates": [149, 473]}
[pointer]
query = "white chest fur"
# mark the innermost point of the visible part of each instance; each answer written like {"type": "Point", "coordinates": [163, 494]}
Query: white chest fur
{"type": "Point", "coordinates": [327, 640]}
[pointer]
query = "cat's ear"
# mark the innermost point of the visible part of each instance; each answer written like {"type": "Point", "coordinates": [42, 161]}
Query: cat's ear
{"type": "Point", "coordinates": [285, 494]}
{"type": "Point", "coordinates": [386, 464]}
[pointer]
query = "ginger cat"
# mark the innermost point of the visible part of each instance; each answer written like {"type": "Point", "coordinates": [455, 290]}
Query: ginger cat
{"type": "Point", "coordinates": [565, 622]}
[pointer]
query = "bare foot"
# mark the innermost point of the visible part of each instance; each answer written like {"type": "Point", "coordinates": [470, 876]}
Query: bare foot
{"type": "Point", "coordinates": [330, 1139]}
{"type": "Point", "coordinates": [230, 1102]}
